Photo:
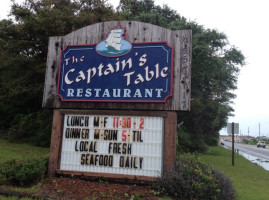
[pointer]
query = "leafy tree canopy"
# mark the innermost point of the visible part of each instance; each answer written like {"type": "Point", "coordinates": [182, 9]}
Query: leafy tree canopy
{"type": "Point", "coordinates": [23, 51]}
{"type": "Point", "coordinates": [215, 68]}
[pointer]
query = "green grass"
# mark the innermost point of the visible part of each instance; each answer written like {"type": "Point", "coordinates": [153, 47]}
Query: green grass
{"type": "Point", "coordinates": [250, 181]}
{"type": "Point", "coordinates": [12, 198]}
{"type": "Point", "coordinates": [28, 190]}
{"type": "Point", "coordinates": [19, 151]}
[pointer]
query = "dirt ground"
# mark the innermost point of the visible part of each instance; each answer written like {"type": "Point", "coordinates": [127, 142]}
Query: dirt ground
{"type": "Point", "coordinates": [76, 189]}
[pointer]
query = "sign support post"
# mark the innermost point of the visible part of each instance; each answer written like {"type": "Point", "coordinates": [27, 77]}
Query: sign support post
{"type": "Point", "coordinates": [233, 144]}
{"type": "Point", "coordinates": [233, 128]}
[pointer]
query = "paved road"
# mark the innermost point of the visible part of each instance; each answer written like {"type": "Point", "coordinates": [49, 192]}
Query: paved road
{"type": "Point", "coordinates": [262, 153]}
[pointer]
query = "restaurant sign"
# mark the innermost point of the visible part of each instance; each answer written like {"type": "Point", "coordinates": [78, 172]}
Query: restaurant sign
{"type": "Point", "coordinates": [116, 70]}
{"type": "Point", "coordinates": [130, 145]}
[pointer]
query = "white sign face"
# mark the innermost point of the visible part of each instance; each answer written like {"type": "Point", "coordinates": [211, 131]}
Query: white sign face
{"type": "Point", "coordinates": [236, 128]}
{"type": "Point", "coordinates": [113, 144]}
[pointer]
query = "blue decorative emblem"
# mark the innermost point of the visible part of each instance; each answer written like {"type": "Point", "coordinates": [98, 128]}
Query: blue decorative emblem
{"type": "Point", "coordinates": [115, 44]}
{"type": "Point", "coordinates": [115, 70]}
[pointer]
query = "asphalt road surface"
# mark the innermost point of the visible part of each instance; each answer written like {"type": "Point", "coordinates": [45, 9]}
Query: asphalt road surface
{"type": "Point", "coordinates": [262, 153]}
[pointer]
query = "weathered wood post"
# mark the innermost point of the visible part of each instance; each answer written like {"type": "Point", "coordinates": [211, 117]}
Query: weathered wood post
{"type": "Point", "coordinates": [232, 143]}
{"type": "Point", "coordinates": [115, 88]}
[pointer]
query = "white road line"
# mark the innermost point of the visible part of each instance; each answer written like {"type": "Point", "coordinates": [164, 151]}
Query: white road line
{"type": "Point", "coordinates": [252, 152]}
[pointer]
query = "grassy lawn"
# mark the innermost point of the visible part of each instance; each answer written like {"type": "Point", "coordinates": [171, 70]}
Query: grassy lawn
{"type": "Point", "coordinates": [12, 198]}
{"type": "Point", "coordinates": [250, 181]}
{"type": "Point", "coordinates": [24, 151]}
{"type": "Point", "coordinates": [19, 151]}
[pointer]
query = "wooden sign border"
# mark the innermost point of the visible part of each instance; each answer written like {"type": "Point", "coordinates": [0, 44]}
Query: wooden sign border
{"type": "Point", "coordinates": [169, 151]}
{"type": "Point", "coordinates": [136, 32]}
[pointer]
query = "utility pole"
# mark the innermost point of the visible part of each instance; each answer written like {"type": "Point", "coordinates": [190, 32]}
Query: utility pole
{"type": "Point", "coordinates": [259, 131]}
{"type": "Point", "coordinates": [248, 131]}
{"type": "Point", "coordinates": [233, 144]}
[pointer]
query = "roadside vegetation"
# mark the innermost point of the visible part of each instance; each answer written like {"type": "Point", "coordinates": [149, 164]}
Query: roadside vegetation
{"type": "Point", "coordinates": [22, 164]}
{"type": "Point", "coordinates": [22, 167]}
{"type": "Point", "coordinates": [23, 53]}
{"type": "Point", "coordinates": [24, 170]}
{"type": "Point", "coordinates": [254, 141]}
{"type": "Point", "coordinates": [250, 180]}
{"type": "Point", "coordinates": [193, 179]}
{"type": "Point", "coordinates": [12, 198]}
{"type": "Point", "coordinates": [20, 151]}
{"type": "Point", "coordinates": [193, 176]}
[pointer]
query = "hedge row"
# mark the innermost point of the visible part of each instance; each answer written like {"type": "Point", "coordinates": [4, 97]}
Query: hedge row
{"type": "Point", "coordinates": [190, 179]}
{"type": "Point", "coordinates": [193, 179]}
{"type": "Point", "coordinates": [23, 172]}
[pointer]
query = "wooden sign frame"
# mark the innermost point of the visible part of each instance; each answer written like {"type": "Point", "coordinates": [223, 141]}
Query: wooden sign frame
{"type": "Point", "coordinates": [136, 32]}
{"type": "Point", "coordinates": [169, 148]}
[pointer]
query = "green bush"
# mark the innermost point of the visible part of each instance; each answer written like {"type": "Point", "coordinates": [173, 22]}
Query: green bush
{"type": "Point", "coordinates": [23, 173]}
{"type": "Point", "coordinates": [34, 128]}
{"type": "Point", "coordinates": [211, 139]}
{"type": "Point", "coordinates": [192, 179]}
{"type": "Point", "coordinates": [190, 142]}
{"type": "Point", "coordinates": [227, 190]}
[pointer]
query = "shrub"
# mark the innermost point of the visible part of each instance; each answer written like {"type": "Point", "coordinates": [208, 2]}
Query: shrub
{"type": "Point", "coordinates": [190, 142]}
{"type": "Point", "coordinates": [33, 128]}
{"type": "Point", "coordinates": [227, 191]}
{"type": "Point", "coordinates": [192, 179]}
{"type": "Point", "coordinates": [23, 173]}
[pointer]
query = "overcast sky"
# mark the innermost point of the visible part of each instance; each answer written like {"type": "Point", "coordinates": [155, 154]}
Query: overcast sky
{"type": "Point", "coordinates": [245, 22]}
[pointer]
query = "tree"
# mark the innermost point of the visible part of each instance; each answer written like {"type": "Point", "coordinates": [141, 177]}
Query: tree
{"type": "Point", "coordinates": [215, 68]}
{"type": "Point", "coordinates": [146, 11]}
{"type": "Point", "coordinates": [23, 53]}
